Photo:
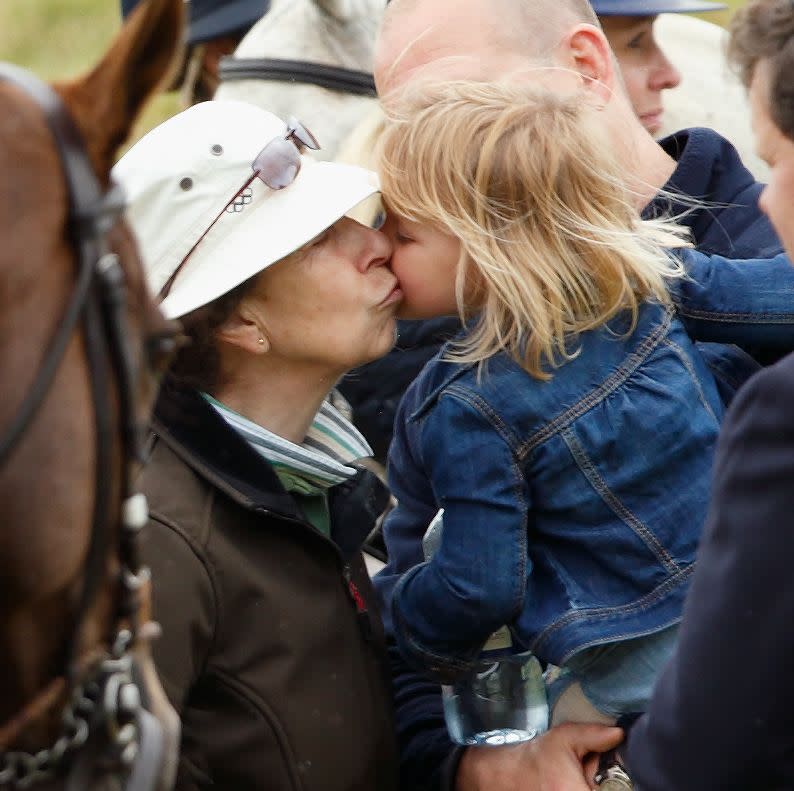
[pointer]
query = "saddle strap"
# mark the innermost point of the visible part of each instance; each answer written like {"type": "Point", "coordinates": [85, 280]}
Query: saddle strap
{"type": "Point", "coordinates": [334, 78]}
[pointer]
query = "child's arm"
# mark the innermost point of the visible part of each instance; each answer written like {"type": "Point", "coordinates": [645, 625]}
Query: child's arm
{"type": "Point", "coordinates": [407, 522]}
{"type": "Point", "coordinates": [749, 303]}
{"type": "Point", "coordinates": [443, 611]}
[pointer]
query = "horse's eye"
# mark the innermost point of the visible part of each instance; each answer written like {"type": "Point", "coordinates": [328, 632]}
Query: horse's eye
{"type": "Point", "coordinates": [161, 349]}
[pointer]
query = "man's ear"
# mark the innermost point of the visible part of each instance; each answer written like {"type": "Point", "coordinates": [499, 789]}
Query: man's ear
{"type": "Point", "coordinates": [243, 331]}
{"type": "Point", "coordinates": [592, 57]}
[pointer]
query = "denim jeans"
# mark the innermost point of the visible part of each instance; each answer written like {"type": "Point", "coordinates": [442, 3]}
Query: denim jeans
{"type": "Point", "coordinates": [618, 678]}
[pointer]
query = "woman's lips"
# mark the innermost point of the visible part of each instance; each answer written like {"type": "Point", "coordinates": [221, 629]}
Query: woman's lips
{"type": "Point", "coordinates": [652, 121]}
{"type": "Point", "coordinates": [394, 295]}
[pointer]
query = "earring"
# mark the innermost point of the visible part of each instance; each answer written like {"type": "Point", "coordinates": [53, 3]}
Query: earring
{"type": "Point", "coordinates": [261, 341]}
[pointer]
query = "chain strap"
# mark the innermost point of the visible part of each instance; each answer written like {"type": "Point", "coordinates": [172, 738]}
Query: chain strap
{"type": "Point", "coordinates": [111, 698]}
{"type": "Point", "coordinates": [22, 770]}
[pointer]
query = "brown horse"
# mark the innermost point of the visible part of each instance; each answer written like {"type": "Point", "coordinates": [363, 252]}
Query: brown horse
{"type": "Point", "coordinates": [55, 622]}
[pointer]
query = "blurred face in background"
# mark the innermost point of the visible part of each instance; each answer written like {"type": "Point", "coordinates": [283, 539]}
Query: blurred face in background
{"type": "Point", "coordinates": [645, 68]}
{"type": "Point", "coordinates": [777, 150]}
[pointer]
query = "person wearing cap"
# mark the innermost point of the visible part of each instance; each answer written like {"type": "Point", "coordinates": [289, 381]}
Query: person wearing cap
{"type": "Point", "coordinates": [674, 71]}
{"type": "Point", "coordinates": [215, 28]}
{"type": "Point", "coordinates": [646, 69]}
{"type": "Point", "coordinates": [259, 502]}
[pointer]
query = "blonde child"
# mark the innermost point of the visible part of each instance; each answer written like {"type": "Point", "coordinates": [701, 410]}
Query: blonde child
{"type": "Point", "coordinates": [568, 433]}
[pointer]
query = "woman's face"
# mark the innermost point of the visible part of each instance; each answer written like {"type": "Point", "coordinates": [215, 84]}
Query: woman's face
{"type": "Point", "coordinates": [777, 150]}
{"type": "Point", "coordinates": [331, 306]}
{"type": "Point", "coordinates": [645, 68]}
{"type": "Point", "coordinates": [426, 263]}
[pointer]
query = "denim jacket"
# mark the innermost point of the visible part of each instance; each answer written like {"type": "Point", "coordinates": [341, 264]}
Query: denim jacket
{"type": "Point", "coordinates": [573, 506]}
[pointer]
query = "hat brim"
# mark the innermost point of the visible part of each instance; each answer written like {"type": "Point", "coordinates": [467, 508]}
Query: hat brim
{"type": "Point", "coordinates": [623, 8]}
{"type": "Point", "coordinates": [228, 18]}
{"type": "Point", "coordinates": [275, 224]}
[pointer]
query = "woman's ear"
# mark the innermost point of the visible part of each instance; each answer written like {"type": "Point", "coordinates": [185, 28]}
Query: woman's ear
{"type": "Point", "coordinates": [242, 331]}
{"type": "Point", "coordinates": [593, 58]}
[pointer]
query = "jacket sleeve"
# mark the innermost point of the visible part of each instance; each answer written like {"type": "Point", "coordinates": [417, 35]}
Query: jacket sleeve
{"type": "Point", "coordinates": [749, 303]}
{"type": "Point", "coordinates": [476, 581]}
{"type": "Point", "coordinates": [183, 602]}
{"type": "Point", "coordinates": [406, 523]}
{"type": "Point", "coordinates": [721, 713]}
{"type": "Point", "coordinates": [428, 758]}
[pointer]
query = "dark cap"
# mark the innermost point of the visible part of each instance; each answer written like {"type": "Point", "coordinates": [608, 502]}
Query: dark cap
{"type": "Point", "coordinates": [213, 18]}
{"type": "Point", "coordinates": [653, 7]}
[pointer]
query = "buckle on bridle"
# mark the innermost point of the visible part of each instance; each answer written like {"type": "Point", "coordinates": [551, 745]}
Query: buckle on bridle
{"type": "Point", "coordinates": [96, 219]}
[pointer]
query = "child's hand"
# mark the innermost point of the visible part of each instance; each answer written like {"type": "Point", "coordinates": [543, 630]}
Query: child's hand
{"type": "Point", "coordinates": [554, 761]}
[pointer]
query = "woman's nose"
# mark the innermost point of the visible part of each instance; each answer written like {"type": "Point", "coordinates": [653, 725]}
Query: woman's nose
{"type": "Point", "coordinates": [380, 248]}
{"type": "Point", "coordinates": [664, 75]}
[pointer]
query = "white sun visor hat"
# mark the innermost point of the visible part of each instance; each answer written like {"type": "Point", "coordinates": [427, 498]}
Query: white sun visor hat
{"type": "Point", "coordinates": [185, 185]}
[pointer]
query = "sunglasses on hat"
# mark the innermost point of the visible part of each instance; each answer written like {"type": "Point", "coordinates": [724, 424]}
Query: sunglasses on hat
{"type": "Point", "coordinates": [277, 165]}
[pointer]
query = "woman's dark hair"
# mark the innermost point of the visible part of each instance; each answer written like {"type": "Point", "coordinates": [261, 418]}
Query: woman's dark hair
{"type": "Point", "coordinates": [764, 30]}
{"type": "Point", "coordinates": [197, 363]}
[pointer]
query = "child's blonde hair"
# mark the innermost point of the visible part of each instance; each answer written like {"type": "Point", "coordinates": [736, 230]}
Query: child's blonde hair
{"type": "Point", "coordinates": [552, 244]}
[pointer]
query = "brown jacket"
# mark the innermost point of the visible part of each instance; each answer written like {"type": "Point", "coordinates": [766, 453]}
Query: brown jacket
{"type": "Point", "coordinates": [269, 650]}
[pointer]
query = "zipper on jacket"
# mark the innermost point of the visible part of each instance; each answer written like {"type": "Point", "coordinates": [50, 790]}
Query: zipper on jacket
{"type": "Point", "coordinates": [362, 613]}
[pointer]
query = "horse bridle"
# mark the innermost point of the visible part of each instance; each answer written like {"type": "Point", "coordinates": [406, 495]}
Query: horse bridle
{"type": "Point", "coordinates": [104, 706]}
{"type": "Point", "coordinates": [334, 78]}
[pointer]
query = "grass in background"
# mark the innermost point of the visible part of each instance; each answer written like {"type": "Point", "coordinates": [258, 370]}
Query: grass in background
{"type": "Point", "coordinates": [56, 38]}
{"type": "Point", "coordinates": [59, 39]}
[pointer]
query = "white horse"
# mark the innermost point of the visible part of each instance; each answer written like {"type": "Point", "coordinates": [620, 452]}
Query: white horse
{"type": "Point", "coordinates": [335, 33]}
{"type": "Point", "coordinates": [710, 94]}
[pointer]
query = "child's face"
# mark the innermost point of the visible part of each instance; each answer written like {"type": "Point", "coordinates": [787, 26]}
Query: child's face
{"type": "Point", "coordinates": [425, 261]}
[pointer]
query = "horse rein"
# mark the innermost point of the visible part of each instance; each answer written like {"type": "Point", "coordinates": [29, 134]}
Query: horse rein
{"type": "Point", "coordinates": [104, 707]}
{"type": "Point", "coordinates": [334, 78]}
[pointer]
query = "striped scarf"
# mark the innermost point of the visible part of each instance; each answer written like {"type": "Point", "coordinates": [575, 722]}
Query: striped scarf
{"type": "Point", "coordinates": [323, 460]}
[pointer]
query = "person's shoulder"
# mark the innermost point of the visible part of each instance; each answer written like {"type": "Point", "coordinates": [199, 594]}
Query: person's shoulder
{"type": "Point", "coordinates": [177, 496]}
{"type": "Point", "coordinates": [777, 378]}
{"type": "Point", "coordinates": [705, 160]}
{"type": "Point", "coordinates": [486, 379]}
{"type": "Point", "coordinates": [782, 370]}
{"type": "Point", "coordinates": [696, 141]}
{"type": "Point", "coordinates": [433, 379]}
{"type": "Point", "coordinates": [767, 396]}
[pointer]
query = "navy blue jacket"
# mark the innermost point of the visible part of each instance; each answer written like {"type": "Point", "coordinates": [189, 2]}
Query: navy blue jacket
{"type": "Point", "coordinates": [374, 390]}
{"type": "Point", "coordinates": [721, 716]}
{"type": "Point", "coordinates": [709, 169]}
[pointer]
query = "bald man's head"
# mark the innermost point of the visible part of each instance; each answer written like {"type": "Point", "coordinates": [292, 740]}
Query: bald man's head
{"type": "Point", "coordinates": [556, 42]}
{"type": "Point", "coordinates": [473, 39]}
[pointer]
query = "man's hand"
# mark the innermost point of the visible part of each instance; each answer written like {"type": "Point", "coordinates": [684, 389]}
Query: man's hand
{"type": "Point", "coordinates": [554, 761]}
